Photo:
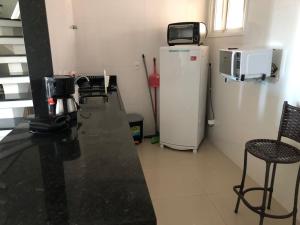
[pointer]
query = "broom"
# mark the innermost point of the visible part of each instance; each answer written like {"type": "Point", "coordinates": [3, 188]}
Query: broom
{"type": "Point", "coordinates": [154, 83]}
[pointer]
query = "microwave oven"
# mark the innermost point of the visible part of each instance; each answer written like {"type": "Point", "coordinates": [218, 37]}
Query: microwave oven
{"type": "Point", "coordinates": [185, 33]}
{"type": "Point", "coordinates": [241, 64]}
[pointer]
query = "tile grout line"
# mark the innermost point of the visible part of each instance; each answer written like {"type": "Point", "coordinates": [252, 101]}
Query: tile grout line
{"type": "Point", "coordinates": [217, 210]}
{"type": "Point", "coordinates": [178, 196]}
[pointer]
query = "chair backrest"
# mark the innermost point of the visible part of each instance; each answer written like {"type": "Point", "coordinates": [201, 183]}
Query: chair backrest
{"type": "Point", "coordinates": [290, 122]}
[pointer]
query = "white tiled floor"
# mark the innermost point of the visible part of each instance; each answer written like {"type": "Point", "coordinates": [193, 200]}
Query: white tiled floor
{"type": "Point", "coordinates": [196, 189]}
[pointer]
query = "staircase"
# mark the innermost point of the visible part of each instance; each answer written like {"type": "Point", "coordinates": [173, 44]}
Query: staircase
{"type": "Point", "coordinates": [15, 92]}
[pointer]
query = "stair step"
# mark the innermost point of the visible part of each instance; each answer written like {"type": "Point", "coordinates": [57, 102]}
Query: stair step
{"type": "Point", "coordinates": [19, 100]}
{"type": "Point", "coordinates": [7, 124]}
{"type": "Point", "coordinates": [9, 89]}
{"type": "Point", "coordinates": [12, 36]}
{"type": "Point", "coordinates": [5, 22]}
{"type": "Point", "coordinates": [16, 104]}
{"type": "Point", "coordinates": [6, 68]}
{"type": "Point", "coordinates": [12, 50]}
{"type": "Point", "coordinates": [12, 40]}
{"type": "Point", "coordinates": [13, 75]}
{"type": "Point", "coordinates": [13, 58]}
{"type": "Point", "coordinates": [15, 97]}
{"type": "Point", "coordinates": [11, 31]}
{"type": "Point", "coordinates": [16, 112]}
{"type": "Point", "coordinates": [14, 80]}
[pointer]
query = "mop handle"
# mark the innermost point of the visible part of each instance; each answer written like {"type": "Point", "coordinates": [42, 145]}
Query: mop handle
{"type": "Point", "coordinates": [154, 62]}
{"type": "Point", "coordinates": [147, 78]}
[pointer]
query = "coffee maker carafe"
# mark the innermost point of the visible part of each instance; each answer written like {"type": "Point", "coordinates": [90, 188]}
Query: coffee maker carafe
{"type": "Point", "coordinates": [59, 91]}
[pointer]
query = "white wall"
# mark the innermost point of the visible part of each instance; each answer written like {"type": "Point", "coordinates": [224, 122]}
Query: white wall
{"type": "Point", "coordinates": [113, 35]}
{"type": "Point", "coordinates": [62, 38]}
{"type": "Point", "coordinates": [252, 109]}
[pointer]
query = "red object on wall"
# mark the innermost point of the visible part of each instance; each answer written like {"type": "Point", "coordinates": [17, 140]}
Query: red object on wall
{"type": "Point", "coordinates": [193, 58]}
{"type": "Point", "coordinates": [154, 81]}
{"type": "Point", "coordinates": [154, 77]}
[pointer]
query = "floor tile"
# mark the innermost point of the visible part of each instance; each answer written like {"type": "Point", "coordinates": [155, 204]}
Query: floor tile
{"type": "Point", "coordinates": [222, 178]}
{"type": "Point", "coordinates": [171, 182]}
{"type": "Point", "coordinates": [191, 210]}
{"type": "Point", "coordinates": [153, 157]}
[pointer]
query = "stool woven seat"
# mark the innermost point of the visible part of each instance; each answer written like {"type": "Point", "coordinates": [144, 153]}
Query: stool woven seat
{"type": "Point", "coordinates": [273, 151]}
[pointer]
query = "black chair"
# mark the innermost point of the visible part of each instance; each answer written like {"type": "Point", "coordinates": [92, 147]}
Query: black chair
{"type": "Point", "coordinates": [273, 152]}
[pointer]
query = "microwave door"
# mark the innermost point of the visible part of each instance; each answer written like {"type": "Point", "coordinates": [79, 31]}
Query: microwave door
{"type": "Point", "coordinates": [226, 62]}
{"type": "Point", "coordinates": [182, 33]}
{"type": "Point", "coordinates": [233, 64]}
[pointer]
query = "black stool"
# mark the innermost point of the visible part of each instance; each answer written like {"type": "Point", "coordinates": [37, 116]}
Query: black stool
{"type": "Point", "coordinates": [273, 152]}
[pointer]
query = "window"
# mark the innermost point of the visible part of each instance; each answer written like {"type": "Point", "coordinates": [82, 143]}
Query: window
{"type": "Point", "coordinates": [227, 17]}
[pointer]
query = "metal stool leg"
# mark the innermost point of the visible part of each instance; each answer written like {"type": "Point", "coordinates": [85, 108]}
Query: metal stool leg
{"type": "Point", "coordinates": [296, 198]}
{"type": "Point", "coordinates": [264, 201]}
{"type": "Point", "coordinates": [272, 185]}
{"type": "Point", "coordinates": [242, 182]}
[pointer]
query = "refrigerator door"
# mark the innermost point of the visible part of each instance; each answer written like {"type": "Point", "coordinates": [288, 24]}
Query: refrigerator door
{"type": "Point", "coordinates": [179, 96]}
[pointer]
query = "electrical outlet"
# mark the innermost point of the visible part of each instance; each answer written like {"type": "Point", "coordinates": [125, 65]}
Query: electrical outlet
{"type": "Point", "coordinates": [211, 123]}
{"type": "Point", "coordinates": [137, 65]}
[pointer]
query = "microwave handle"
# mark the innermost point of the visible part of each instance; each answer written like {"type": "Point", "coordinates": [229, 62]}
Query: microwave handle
{"type": "Point", "coordinates": [232, 63]}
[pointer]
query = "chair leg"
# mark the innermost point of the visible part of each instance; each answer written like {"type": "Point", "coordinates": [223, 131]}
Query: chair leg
{"type": "Point", "coordinates": [272, 185]}
{"type": "Point", "coordinates": [296, 198]}
{"type": "Point", "coordinates": [242, 182]}
{"type": "Point", "coordinates": [264, 201]}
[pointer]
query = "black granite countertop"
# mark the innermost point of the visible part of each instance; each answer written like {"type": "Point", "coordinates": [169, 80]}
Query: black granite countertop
{"type": "Point", "coordinates": [88, 175]}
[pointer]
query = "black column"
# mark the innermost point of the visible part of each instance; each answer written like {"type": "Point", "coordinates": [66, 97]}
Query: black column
{"type": "Point", "coordinates": [37, 44]}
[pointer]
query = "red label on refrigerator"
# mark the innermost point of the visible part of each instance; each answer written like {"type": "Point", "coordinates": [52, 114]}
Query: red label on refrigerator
{"type": "Point", "coordinates": [193, 58]}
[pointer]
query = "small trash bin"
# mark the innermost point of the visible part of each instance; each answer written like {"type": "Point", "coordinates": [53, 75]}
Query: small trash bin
{"type": "Point", "coordinates": [136, 123]}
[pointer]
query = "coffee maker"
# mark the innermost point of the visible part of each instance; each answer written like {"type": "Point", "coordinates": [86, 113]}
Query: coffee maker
{"type": "Point", "coordinates": [59, 91]}
{"type": "Point", "coordinates": [62, 108]}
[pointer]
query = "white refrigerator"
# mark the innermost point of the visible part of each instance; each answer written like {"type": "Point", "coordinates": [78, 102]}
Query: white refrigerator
{"type": "Point", "coordinates": [183, 89]}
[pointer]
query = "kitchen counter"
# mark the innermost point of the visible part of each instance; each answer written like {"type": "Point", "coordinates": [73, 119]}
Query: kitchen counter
{"type": "Point", "coordinates": [88, 175]}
